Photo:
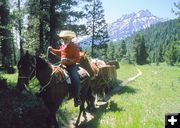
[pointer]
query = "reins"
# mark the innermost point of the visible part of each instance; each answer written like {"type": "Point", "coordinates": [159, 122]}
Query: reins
{"type": "Point", "coordinates": [35, 73]}
{"type": "Point", "coordinates": [52, 74]}
{"type": "Point", "coordinates": [29, 77]}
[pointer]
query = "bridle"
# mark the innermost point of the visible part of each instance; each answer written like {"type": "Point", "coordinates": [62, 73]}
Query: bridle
{"type": "Point", "coordinates": [33, 71]}
{"type": "Point", "coordinates": [29, 77]}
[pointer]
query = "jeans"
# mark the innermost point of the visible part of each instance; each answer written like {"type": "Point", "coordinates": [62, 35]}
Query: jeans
{"type": "Point", "coordinates": [75, 80]}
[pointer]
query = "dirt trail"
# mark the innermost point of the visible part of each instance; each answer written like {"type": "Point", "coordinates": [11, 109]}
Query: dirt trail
{"type": "Point", "coordinates": [125, 82]}
{"type": "Point", "coordinates": [132, 78]}
{"type": "Point", "coordinates": [71, 122]}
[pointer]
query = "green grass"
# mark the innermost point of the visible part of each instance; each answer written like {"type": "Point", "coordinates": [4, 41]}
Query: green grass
{"type": "Point", "coordinates": [142, 103]}
{"type": "Point", "coordinates": [11, 78]}
{"type": "Point", "coordinates": [126, 71]}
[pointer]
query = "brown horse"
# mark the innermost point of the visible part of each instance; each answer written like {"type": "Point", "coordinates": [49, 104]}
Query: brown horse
{"type": "Point", "coordinates": [54, 88]}
{"type": "Point", "coordinates": [98, 82]}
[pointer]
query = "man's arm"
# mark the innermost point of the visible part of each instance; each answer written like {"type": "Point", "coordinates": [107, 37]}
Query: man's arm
{"type": "Point", "coordinates": [55, 51]}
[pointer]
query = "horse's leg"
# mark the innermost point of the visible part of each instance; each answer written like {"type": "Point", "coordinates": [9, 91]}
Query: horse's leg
{"type": "Point", "coordinates": [80, 111]}
{"type": "Point", "coordinates": [77, 121]}
{"type": "Point", "coordinates": [90, 100]}
{"type": "Point", "coordinates": [90, 103]}
{"type": "Point", "coordinates": [83, 109]}
{"type": "Point", "coordinates": [105, 92]}
{"type": "Point", "coordinates": [55, 121]}
{"type": "Point", "coordinates": [48, 121]}
{"type": "Point", "coordinates": [51, 121]}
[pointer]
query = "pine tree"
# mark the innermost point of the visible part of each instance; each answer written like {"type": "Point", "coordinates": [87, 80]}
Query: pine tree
{"type": "Point", "coordinates": [122, 49]}
{"type": "Point", "coordinates": [177, 6]}
{"type": "Point", "coordinates": [18, 13]}
{"type": "Point", "coordinates": [139, 54]}
{"type": "Point", "coordinates": [172, 54]}
{"type": "Point", "coordinates": [96, 26]}
{"type": "Point", "coordinates": [142, 59]}
{"type": "Point", "coordinates": [111, 51]}
{"type": "Point", "coordinates": [5, 34]}
{"type": "Point", "coordinates": [47, 18]}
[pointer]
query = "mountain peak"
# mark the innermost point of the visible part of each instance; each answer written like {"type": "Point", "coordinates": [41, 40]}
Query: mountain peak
{"type": "Point", "coordinates": [144, 13]}
{"type": "Point", "coordinates": [128, 24]}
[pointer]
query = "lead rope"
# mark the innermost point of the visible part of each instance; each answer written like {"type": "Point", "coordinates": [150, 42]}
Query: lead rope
{"type": "Point", "coordinates": [47, 56]}
{"type": "Point", "coordinates": [43, 88]}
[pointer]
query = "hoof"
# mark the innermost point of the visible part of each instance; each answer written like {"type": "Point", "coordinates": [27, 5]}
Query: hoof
{"type": "Point", "coordinates": [76, 125]}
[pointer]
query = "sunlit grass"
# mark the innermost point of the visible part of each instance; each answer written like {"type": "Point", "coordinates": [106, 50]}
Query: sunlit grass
{"type": "Point", "coordinates": [11, 78]}
{"type": "Point", "coordinates": [125, 71]}
{"type": "Point", "coordinates": [155, 93]}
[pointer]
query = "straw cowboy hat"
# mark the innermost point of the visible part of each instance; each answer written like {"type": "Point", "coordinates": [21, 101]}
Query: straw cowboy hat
{"type": "Point", "coordinates": [67, 33]}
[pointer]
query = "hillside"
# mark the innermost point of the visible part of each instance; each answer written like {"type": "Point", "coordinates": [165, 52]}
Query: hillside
{"type": "Point", "coordinates": [159, 39]}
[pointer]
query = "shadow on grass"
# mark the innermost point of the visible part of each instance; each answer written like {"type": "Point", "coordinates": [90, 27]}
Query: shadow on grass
{"type": "Point", "coordinates": [103, 109]}
{"type": "Point", "coordinates": [127, 89]}
{"type": "Point", "coordinates": [122, 90]}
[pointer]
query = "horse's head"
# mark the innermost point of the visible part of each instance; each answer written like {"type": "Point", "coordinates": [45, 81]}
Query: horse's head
{"type": "Point", "coordinates": [26, 70]}
{"type": "Point", "coordinates": [85, 63]}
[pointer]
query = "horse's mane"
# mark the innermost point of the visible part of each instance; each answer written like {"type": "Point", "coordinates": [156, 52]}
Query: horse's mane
{"type": "Point", "coordinates": [42, 62]}
{"type": "Point", "coordinates": [55, 70]}
{"type": "Point", "coordinates": [90, 67]}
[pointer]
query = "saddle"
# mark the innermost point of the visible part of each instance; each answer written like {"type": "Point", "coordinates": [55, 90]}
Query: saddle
{"type": "Point", "coordinates": [61, 74]}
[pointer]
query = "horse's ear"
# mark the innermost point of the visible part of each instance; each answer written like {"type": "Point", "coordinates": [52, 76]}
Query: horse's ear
{"type": "Point", "coordinates": [27, 53]}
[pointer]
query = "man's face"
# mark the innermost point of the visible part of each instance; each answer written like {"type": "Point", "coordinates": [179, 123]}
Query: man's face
{"type": "Point", "coordinates": [66, 40]}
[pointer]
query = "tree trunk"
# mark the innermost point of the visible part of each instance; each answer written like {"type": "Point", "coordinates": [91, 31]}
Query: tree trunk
{"type": "Point", "coordinates": [41, 32]}
{"type": "Point", "coordinates": [21, 42]}
{"type": "Point", "coordinates": [93, 30]}
{"type": "Point", "coordinates": [52, 23]}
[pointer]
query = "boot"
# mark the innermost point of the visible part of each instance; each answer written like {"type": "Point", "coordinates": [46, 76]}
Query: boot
{"type": "Point", "coordinates": [77, 102]}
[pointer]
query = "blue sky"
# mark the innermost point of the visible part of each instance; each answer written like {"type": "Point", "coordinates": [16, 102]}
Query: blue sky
{"type": "Point", "coordinates": [114, 9]}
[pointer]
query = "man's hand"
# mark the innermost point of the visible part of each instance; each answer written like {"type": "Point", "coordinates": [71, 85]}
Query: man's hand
{"type": "Point", "coordinates": [64, 60]}
{"type": "Point", "coordinates": [50, 48]}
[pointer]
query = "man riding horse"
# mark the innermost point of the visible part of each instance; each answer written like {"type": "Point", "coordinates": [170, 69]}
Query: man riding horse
{"type": "Point", "coordinates": [69, 53]}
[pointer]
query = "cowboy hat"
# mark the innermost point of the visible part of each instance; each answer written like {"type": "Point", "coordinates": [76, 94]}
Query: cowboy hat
{"type": "Point", "coordinates": [67, 33]}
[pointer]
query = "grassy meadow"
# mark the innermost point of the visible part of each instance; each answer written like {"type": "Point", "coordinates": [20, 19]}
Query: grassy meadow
{"type": "Point", "coordinates": [142, 103]}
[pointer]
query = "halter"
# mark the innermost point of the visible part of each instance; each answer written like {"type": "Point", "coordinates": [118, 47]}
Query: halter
{"type": "Point", "coordinates": [34, 70]}
{"type": "Point", "coordinates": [28, 77]}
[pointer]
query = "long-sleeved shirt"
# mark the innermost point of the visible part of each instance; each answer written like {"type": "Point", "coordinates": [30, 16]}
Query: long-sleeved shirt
{"type": "Point", "coordinates": [70, 51]}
